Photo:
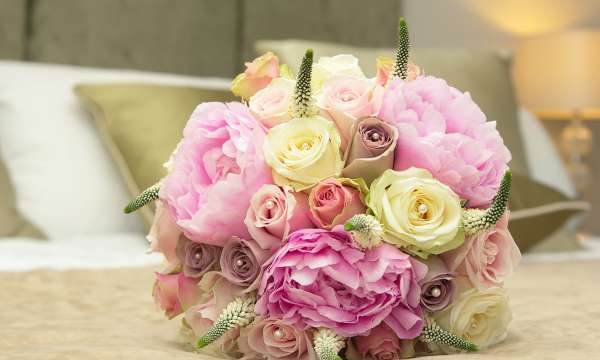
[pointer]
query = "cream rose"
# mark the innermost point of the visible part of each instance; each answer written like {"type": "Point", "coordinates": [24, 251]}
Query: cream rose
{"type": "Point", "coordinates": [271, 104]}
{"type": "Point", "coordinates": [418, 212]}
{"type": "Point", "coordinates": [302, 152]}
{"type": "Point", "coordinates": [480, 316]}
{"type": "Point", "coordinates": [329, 66]}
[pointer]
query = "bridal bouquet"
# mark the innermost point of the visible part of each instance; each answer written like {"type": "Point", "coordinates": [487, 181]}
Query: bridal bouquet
{"type": "Point", "coordinates": [329, 215]}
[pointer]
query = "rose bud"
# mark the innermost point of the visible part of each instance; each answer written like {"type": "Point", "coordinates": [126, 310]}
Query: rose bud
{"type": "Point", "coordinates": [438, 287]}
{"type": "Point", "coordinates": [196, 258]}
{"type": "Point", "coordinates": [371, 150]}
{"type": "Point", "coordinates": [175, 293]}
{"type": "Point", "coordinates": [241, 262]}
{"type": "Point", "coordinates": [333, 201]}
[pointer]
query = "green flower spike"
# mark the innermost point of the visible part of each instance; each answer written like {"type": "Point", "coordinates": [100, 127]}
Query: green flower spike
{"type": "Point", "coordinates": [366, 231]}
{"type": "Point", "coordinates": [237, 313]}
{"type": "Point", "coordinates": [433, 333]}
{"type": "Point", "coordinates": [147, 196]}
{"type": "Point", "coordinates": [476, 221]}
{"type": "Point", "coordinates": [328, 344]}
{"type": "Point", "coordinates": [401, 64]}
{"type": "Point", "coordinates": [303, 103]}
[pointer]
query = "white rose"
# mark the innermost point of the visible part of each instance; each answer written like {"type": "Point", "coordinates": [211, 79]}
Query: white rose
{"type": "Point", "coordinates": [271, 105]}
{"type": "Point", "coordinates": [480, 316]}
{"type": "Point", "coordinates": [418, 212]}
{"type": "Point", "coordinates": [328, 66]}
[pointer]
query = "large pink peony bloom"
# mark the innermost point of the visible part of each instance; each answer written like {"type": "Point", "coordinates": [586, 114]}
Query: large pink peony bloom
{"type": "Point", "coordinates": [216, 169]}
{"type": "Point", "coordinates": [442, 130]}
{"type": "Point", "coordinates": [319, 279]}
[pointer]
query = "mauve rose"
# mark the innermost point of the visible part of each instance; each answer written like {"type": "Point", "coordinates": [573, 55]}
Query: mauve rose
{"type": "Point", "coordinates": [371, 149]}
{"type": "Point", "coordinates": [333, 201]}
{"type": "Point", "coordinates": [438, 287]}
{"type": "Point", "coordinates": [274, 339]}
{"type": "Point", "coordinates": [241, 262]}
{"type": "Point", "coordinates": [275, 212]}
{"type": "Point", "coordinates": [487, 258]}
{"type": "Point", "coordinates": [175, 293]}
{"type": "Point", "coordinates": [164, 233]}
{"type": "Point", "coordinates": [196, 259]}
{"type": "Point", "coordinates": [380, 344]}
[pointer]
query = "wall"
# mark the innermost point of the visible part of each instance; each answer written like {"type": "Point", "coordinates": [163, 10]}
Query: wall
{"type": "Point", "coordinates": [498, 24]}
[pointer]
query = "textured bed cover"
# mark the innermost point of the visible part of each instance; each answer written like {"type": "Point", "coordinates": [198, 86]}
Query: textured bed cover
{"type": "Point", "coordinates": [109, 314]}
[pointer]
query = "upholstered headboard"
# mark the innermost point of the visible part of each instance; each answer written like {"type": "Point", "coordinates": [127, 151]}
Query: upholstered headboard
{"type": "Point", "coordinates": [199, 37]}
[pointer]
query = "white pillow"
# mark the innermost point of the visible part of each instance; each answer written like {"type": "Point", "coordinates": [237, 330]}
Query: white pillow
{"type": "Point", "coordinates": [543, 159]}
{"type": "Point", "coordinates": [64, 179]}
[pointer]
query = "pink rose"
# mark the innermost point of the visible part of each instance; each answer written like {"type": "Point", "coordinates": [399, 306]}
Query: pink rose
{"type": "Point", "coordinates": [274, 212]}
{"type": "Point", "coordinates": [385, 68]}
{"type": "Point", "coordinates": [175, 293]}
{"type": "Point", "coordinates": [345, 98]}
{"type": "Point", "coordinates": [274, 339]}
{"type": "Point", "coordinates": [196, 258]}
{"type": "Point", "coordinates": [258, 74]}
{"type": "Point", "coordinates": [319, 279]}
{"type": "Point", "coordinates": [271, 105]}
{"type": "Point", "coordinates": [443, 131]}
{"type": "Point", "coordinates": [380, 344]}
{"type": "Point", "coordinates": [333, 201]}
{"type": "Point", "coordinates": [217, 168]}
{"type": "Point", "coordinates": [216, 292]}
{"type": "Point", "coordinates": [488, 258]}
{"type": "Point", "coordinates": [164, 233]}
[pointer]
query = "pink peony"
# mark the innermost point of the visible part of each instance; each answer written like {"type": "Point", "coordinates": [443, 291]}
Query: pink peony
{"type": "Point", "coordinates": [345, 98]}
{"type": "Point", "coordinates": [444, 131]}
{"type": "Point", "coordinates": [275, 212]}
{"type": "Point", "coordinates": [215, 171]}
{"type": "Point", "coordinates": [319, 279]}
{"type": "Point", "coordinates": [175, 293]}
{"type": "Point", "coordinates": [487, 258]}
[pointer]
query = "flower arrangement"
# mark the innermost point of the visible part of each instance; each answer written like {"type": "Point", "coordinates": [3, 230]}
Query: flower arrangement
{"type": "Point", "coordinates": [329, 215]}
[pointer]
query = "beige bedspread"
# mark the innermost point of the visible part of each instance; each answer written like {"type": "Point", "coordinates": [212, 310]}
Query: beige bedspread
{"type": "Point", "coordinates": [109, 314]}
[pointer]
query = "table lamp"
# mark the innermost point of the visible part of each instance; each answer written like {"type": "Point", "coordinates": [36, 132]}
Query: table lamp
{"type": "Point", "coordinates": [557, 76]}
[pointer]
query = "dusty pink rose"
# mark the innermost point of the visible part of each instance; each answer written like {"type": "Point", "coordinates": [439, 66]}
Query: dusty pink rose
{"type": "Point", "coordinates": [175, 293]}
{"type": "Point", "coordinates": [345, 98]}
{"type": "Point", "coordinates": [443, 131]}
{"type": "Point", "coordinates": [380, 344]}
{"type": "Point", "coordinates": [164, 233]}
{"type": "Point", "coordinates": [275, 212]}
{"type": "Point", "coordinates": [271, 105]}
{"type": "Point", "coordinates": [385, 68]}
{"type": "Point", "coordinates": [319, 279]}
{"type": "Point", "coordinates": [258, 74]}
{"type": "Point", "coordinates": [241, 262]}
{"type": "Point", "coordinates": [196, 258]}
{"type": "Point", "coordinates": [332, 203]}
{"type": "Point", "coordinates": [488, 258]}
{"type": "Point", "coordinates": [217, 168]}
{"type": "Point", "coordinates": [438, 286]}
{"type": "Point", "coordinates": [274, 339]}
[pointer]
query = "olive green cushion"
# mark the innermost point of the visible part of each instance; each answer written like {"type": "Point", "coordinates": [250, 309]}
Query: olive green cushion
{"type": "Point", "coordinates": [539, 211]}
{"type": "Point", "coordinates": [141, 125]}
{"type": "Point", "coordinates": [12, 223]}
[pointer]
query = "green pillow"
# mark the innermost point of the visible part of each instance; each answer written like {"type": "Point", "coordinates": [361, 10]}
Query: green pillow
{"type": "Point", "coordinates": [141, 125]}
{"type": "Point", "coordinates": [12, 223]}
